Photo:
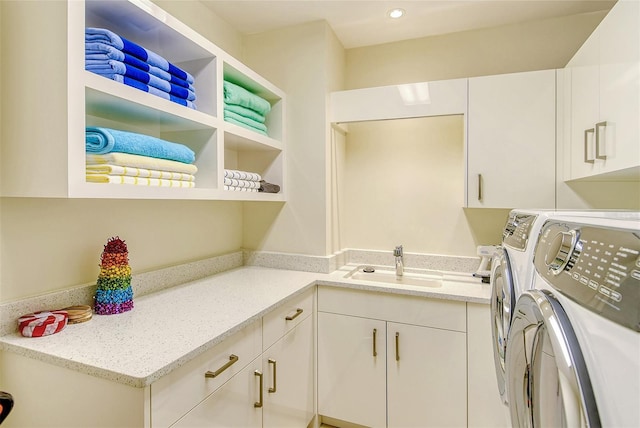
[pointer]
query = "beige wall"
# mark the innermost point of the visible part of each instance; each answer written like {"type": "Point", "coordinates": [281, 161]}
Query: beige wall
{"type": "Point", "coordinates": [52, 244]}
{"type": "Point", "coordinates": [301, 60]}
{"type": "Point", "coordinates": [536, 45]}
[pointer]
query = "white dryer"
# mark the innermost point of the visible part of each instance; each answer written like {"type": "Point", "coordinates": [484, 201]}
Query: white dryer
{"type": "Point", "coordinates": [573, 348]}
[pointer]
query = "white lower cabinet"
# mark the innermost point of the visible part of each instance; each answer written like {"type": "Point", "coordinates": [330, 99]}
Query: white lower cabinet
{"type": "Point", "coordinates": [289, 393]}
{"type": "Point", "coordinates": [233, 405]}
{"type": "Point", "coordinates": [391, 361]}
{"type": "Point", "coordinates": [276, 389]}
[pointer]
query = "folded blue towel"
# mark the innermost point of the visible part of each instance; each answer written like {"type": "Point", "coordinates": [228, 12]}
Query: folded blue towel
{"type": "Point", "coordinates": [245, 122]}
{"type": "Point", "coordinates": [106, 140]}
{"type": "Point", "coordinates": [150, 89]}
{"type": "Point", "coordinates": [234, 94]}
{"type": "Point", "coordinates": [110, 67]}
{"type": "Point", "coordinates": [102, 51]}
{"type": "Point", "coordinates": [106, 36]}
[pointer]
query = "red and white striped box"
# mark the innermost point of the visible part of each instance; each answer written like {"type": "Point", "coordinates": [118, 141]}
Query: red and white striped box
{"type": "Point", "coordinates": [42, 323]}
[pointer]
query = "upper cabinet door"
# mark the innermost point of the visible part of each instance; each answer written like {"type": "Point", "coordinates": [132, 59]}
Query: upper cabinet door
{"type": "Point", "coordinates": [605, 98]}
{"type": "Point", "coordinates": [511, 140]}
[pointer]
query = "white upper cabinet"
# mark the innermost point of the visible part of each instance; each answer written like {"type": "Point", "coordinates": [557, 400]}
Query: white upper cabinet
{"type": "Point", "coordinates": [604, 92]}
{"type": "Point", "coordinates": [49, 102]}
{"type": "Point", "coordinates": [511, 138]}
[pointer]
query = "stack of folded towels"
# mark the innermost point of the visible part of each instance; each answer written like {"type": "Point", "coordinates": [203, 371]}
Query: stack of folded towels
{"type": "Point", "coordinates": [244, 108]}
{"type": "Point", "coordinates": [241, 181]}
{"type": "Point", "coordinates": [114, 156]}
{"type": "Point", "coordinates": [119, 59]}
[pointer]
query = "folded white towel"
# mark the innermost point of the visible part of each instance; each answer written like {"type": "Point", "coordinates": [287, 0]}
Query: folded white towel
{"type": "Point", "coordinates": [139, 181]}
{"type": "Point", "coordinates": [138, 172]}
{"type": "Point", "coordinates": [240, 189]}
{"type": "Point", "coordinates": [242, 183]}
{"type": "Point", "coordinates": [242, 175]}
{"type": "Point", "coordinates": [137, 161]}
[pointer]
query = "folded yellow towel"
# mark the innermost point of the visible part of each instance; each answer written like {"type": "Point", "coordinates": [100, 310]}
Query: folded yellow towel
{"type": "Point", "coordinates": [125, 179]}
{"type": "Point", "coordinates": [137, 161]}
{"type": "Point", "coordinates": [138, 172]}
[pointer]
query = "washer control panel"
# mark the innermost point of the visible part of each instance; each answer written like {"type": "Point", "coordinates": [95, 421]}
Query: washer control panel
{"type": "Point", "coordinates": [516, 233]}
{"type": "Point", "coordinates": [595, 266]}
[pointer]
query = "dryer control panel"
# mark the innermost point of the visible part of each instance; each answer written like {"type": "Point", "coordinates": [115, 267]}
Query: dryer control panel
{"type": "Point", "coordinates": [597, 267]}
{"type": "Point", "coordinates": [517, 231]}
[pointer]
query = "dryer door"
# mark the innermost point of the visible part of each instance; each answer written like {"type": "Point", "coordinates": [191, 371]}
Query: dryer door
{"type": "Point", "coordinates": [502, 299]}
{"type": "Point", "coordinates": [547, 380]}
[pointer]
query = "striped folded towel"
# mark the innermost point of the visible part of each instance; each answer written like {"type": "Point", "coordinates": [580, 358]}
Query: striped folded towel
{"type": "Point", "coordinates": [137, 161]}
{"type": "Point", "coordinates": [124, 179]}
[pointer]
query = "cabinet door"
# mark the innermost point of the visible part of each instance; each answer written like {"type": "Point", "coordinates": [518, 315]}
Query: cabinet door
{"type": "Point", "coordinates": [351, 369]}
{"type": "Point", "coordinates": [619, 35]}
{"type": "Point", "coordinates": [233, 405]}
{"type": "Point", "coordinates": [426, 377]}
{"type": "Point", "coordinates": [511, 140]}
{"type": "Point", "coordinates": [289, 379]}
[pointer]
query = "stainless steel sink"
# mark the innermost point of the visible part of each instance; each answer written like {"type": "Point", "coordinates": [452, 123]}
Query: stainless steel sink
{"type": "Point", "coordinates": [415, 277]}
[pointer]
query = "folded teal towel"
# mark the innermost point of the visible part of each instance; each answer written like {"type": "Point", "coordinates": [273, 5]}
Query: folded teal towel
{"type": "Point", "coordinates": [246, 112]}
{"type": "Point", "coordinates": [105, 140]}
{"type": "Point", "coordinates": [245, 122]}
{"type": "Point", "coordinates": [234, 94]}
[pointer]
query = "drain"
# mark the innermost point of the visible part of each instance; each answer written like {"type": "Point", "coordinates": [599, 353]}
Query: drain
{"type": "Point", "coordinates": [368, 269]}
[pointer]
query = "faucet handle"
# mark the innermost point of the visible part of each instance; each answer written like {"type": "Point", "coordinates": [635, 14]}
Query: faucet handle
{"type": "Point", "coordinates": [398, 252]}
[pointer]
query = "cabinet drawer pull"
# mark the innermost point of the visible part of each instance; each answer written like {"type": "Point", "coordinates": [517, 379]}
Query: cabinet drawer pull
{"type": "Point", "coordinates": [588, 157]}
{"type": "Point", "coordinates": [271, 361]}
{"type": "Point", "coordinates": [397, 346]}
{"type": "Point", "coordinates": [601, 149]}
{"type": "Point", "coordinates": [259, 374]}
{"type": "Point", "coordinates": [480, 187]}
{"type": "Point", "coordinates": [375, 332]}
{"type": "Point", "coordinates": [232, 359]}
{"type": "Point", "coordinates": [294, 316]}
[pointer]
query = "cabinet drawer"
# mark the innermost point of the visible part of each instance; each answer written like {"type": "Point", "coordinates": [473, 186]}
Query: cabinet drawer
{"type": "Point", "coordinates": [181, 390]}
{"type": "Point", "coordinates": [275, 323]}
{"type": "Point", "coordinates": [445, 314]}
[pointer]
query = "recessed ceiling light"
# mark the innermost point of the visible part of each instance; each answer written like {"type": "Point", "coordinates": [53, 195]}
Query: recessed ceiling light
{"type": "Point", "coordinates": [396, 13]}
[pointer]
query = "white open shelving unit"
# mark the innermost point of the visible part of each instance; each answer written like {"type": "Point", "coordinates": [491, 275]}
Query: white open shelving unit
{"type": "Point", "coordinates": [92, 100]}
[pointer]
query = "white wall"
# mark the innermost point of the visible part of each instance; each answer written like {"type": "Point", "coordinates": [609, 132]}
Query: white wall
{"type": "Point", "coordinates": [304, 61]}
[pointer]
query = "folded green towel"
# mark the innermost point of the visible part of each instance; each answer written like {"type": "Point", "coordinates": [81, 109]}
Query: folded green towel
{"type": "Point", "coordinates": [236, 119]}
{"type": "Point", "coordinates": [246, 112]}
{"type": "Point", "coordinates": [234, 94]}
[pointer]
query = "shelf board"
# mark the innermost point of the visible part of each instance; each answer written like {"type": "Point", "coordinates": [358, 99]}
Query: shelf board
{"type": "Point", "coordinates": [239, 138]}
{"type": "Point", "coordinates": [117, 101]}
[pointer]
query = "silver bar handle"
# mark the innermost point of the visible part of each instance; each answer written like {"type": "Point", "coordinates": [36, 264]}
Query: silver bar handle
{"type": "Point", "coordinates": [601, 149]}
{"type": "Point", "coordinates": [273, 389]}
{"type": "Point", "coordinates": [480, 187]}
{"type": "Point", "coordinates": [232, 359]}
{"type": "Point", "coordinates": [588, 156]}
{"type": "Point", "coordinates": [397, 346]}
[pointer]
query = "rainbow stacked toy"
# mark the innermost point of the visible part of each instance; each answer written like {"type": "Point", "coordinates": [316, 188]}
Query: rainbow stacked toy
{"type": "Point", "coordinates": [114, 294]}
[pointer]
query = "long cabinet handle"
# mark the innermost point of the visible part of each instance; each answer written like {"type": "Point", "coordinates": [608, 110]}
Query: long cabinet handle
{"type": "Point", "coordinates": [397, 346]}
{"type": "Point", "coordinates": [601, 149]}
{"type": "Point", "coordinates": [299, 311]}
{"type": "Point", "coordinates": [273, 388]}
{"type": "Point", "coordinates": [232, 359]}
{"type": "Point", "coordinates": [480, 187]}
{"type": "Point", "coordinates": [375, 333]}
{"type": "Point", "coordinates": [258, 373]}
{"type": "Point", "coordinates": [588, 158]}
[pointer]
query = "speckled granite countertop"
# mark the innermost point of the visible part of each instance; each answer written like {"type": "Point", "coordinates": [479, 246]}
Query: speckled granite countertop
{"type": "Point", "coordinates": [170, 327]}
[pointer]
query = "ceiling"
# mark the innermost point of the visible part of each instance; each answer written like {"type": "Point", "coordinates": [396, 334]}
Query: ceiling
{"type": "Point", "coordinates": [364, 22]}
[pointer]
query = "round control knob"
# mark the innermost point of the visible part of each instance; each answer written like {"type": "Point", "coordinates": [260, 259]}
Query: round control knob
{"type": "Point", "coordinates": [560, 250]}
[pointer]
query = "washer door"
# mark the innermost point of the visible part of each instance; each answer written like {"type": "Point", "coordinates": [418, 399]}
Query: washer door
{"type": "Point", "coordinates": [502, 299]}
{"type": "Point", "coordinates": [547, 380]}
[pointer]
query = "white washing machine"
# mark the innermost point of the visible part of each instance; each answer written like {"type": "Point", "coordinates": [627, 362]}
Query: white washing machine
{"type": "Point", "coordinates": [511, 272]}
{"type": "Point", "coordinates": [573, 348]}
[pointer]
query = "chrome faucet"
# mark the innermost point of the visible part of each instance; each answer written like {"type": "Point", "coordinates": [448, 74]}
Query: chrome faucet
{"type": "Point", "coordinates": [399, 255]}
